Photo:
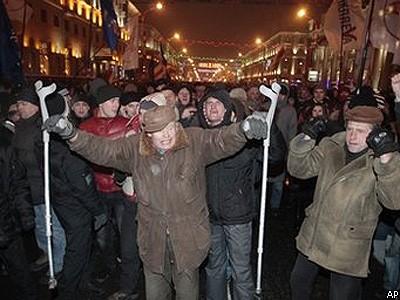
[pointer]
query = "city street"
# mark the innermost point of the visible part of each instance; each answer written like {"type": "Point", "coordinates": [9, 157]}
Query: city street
{"type": "Point", "coordinates": [279, 257]}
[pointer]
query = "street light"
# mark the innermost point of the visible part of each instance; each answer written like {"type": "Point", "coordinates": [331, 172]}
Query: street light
{"type": "Point", "coordinates": [177, 36]}
{"type": "Point", "coordinates": [313, 28]}
{"type": "Point", "coordinates": [143, 38]}
{"type": "Point", "coordinates": [301, 13]}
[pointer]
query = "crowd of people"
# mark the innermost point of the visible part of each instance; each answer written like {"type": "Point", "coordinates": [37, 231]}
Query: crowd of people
{"type": "Point", "coordinates": [165, 179]}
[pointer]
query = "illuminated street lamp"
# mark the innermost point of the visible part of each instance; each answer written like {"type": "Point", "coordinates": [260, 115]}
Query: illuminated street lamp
{"type": "Point", "coordinates": [313, 28]}
{"type": "Point", "coordinates": [184, 50]}
{"type": "Point", "coordinates": [177, 36]}
{"type": "Point", "coordinates": [143, 38]}
{"type": "Point", "coordinates": [301, 13]}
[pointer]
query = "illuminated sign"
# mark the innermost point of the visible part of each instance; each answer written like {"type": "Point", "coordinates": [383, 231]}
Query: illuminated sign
{"type": "Point", "coordinates": [210, 65]}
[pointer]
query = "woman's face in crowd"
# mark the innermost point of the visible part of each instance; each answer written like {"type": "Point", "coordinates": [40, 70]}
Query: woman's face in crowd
{"type": "Point", "coordinates": [81, 109]}
{"type": "Point", "coordinates": [317, 111]}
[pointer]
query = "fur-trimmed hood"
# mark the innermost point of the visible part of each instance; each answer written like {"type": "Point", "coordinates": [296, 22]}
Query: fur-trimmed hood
{"type": "Point", "coordinates": [146, 148]}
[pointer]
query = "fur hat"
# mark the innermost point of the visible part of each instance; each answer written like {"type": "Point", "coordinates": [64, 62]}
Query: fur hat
{"type": "Point", "coordinates": [365, 114]}
{"type": "Point", "coordinates": [156, 118]}
{"type": "Point", "coordinates": [27, 95]}
{"type": "Point", "coordinates": [106, 92]}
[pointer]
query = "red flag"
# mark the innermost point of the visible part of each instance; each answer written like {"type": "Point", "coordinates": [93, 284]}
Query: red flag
{"type": "Point", "coordinates": [161, 69]}
{"type": "Point", "coordinates": [277, 59]}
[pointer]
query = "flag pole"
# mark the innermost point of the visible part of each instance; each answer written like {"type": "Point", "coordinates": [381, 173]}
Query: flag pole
{"type": "Point", "coordinates": [23, 32]}
{"type": "Point", "coordinates": [366, 44]}
{"type": "Point", "coordinates": [341, 56]}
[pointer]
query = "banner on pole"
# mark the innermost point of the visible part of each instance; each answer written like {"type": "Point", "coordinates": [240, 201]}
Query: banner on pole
{"type": "Point", "coordinates": [345, 23]}
{"type": "Point", "coordinates": [161, 69]}
{"type": "Point", "coordinates": [110, 25]}
{"type": "Point", "coordinates": [130, 57]}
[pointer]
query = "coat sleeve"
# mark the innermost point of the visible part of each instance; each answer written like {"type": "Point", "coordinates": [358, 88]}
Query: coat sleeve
{"type": "Point", "coordinates": [304, 157]}
{"type": "Point", "coordinates": [220, 143]}
{"type": "Point", "coordinates": [81, 182]}
{"type": "Point", "coordinates": [105, 152]}
{"type": "Point", "coordinates": [387, 183]}
{"type": "Point", "coordinates": [21, 195]}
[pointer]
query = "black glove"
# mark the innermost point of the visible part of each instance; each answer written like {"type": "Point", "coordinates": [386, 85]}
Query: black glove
{"type": "Point", "coordinates": [315, 127]}
{"type": "Point", "coordinates": [60, 125]}
{"type": "Point", "coordinates": [381, 141]}
{"type": "Point", "coordinates": [100, 221]}
{"type": "Point", "coordinates": [255, 126]}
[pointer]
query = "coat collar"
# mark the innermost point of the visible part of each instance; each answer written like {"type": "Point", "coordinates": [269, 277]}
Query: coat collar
{"type": "Point", "coordinates": [338, 155]}
{"type": "Point", "coordinates": [146, 148]}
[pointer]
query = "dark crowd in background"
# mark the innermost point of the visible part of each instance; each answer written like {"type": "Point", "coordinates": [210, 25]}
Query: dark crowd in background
{"type": "Point", "coordinates": [94, 208]}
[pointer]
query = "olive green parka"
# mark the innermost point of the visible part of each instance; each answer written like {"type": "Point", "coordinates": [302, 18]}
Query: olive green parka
{"type": "Point", "coordinates": [339, 225]}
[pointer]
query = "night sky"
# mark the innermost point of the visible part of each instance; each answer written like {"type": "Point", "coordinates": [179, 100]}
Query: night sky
{"type": "Point", "coordinates": [206, 23]}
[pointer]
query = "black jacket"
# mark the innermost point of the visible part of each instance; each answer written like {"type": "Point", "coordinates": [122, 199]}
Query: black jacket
{"type": "Point", "coordinates": [27, 137]}
{"type": "Point", "coordinates": [16, 211]}
{"type": "Point", "coordinates": [72, 186]}
{"type": "Point", "coordinates": [230, 192]}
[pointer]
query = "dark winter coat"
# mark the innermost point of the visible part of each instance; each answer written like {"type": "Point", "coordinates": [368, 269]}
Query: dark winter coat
{"type": "Point", "coordinates": [16, 212]}
{"type": "Point", "coordinates": [231, 181]}
{"type": "Point", "coordinates": [339, 225]}
{"type": "Point", "coordinates": [72, 185]}
{"type": "Point", "coordinates": [27, 137]}
{"type": "Point", "coordinates": [171, 189]}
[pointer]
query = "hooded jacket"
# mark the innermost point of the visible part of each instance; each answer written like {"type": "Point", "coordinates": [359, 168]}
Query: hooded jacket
{"type": "Point", "coordinates": [231, 181]}
{"type": "Point", "coordinates": [170, 188]}
{"type": "Point", "coordinates": [339, 225]}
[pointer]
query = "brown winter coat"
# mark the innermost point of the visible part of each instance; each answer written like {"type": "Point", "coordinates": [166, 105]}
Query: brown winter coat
{"type": "Point", "coordinates": [170, 189]}
{"type": "Point", "coordinates": [339, 225]}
